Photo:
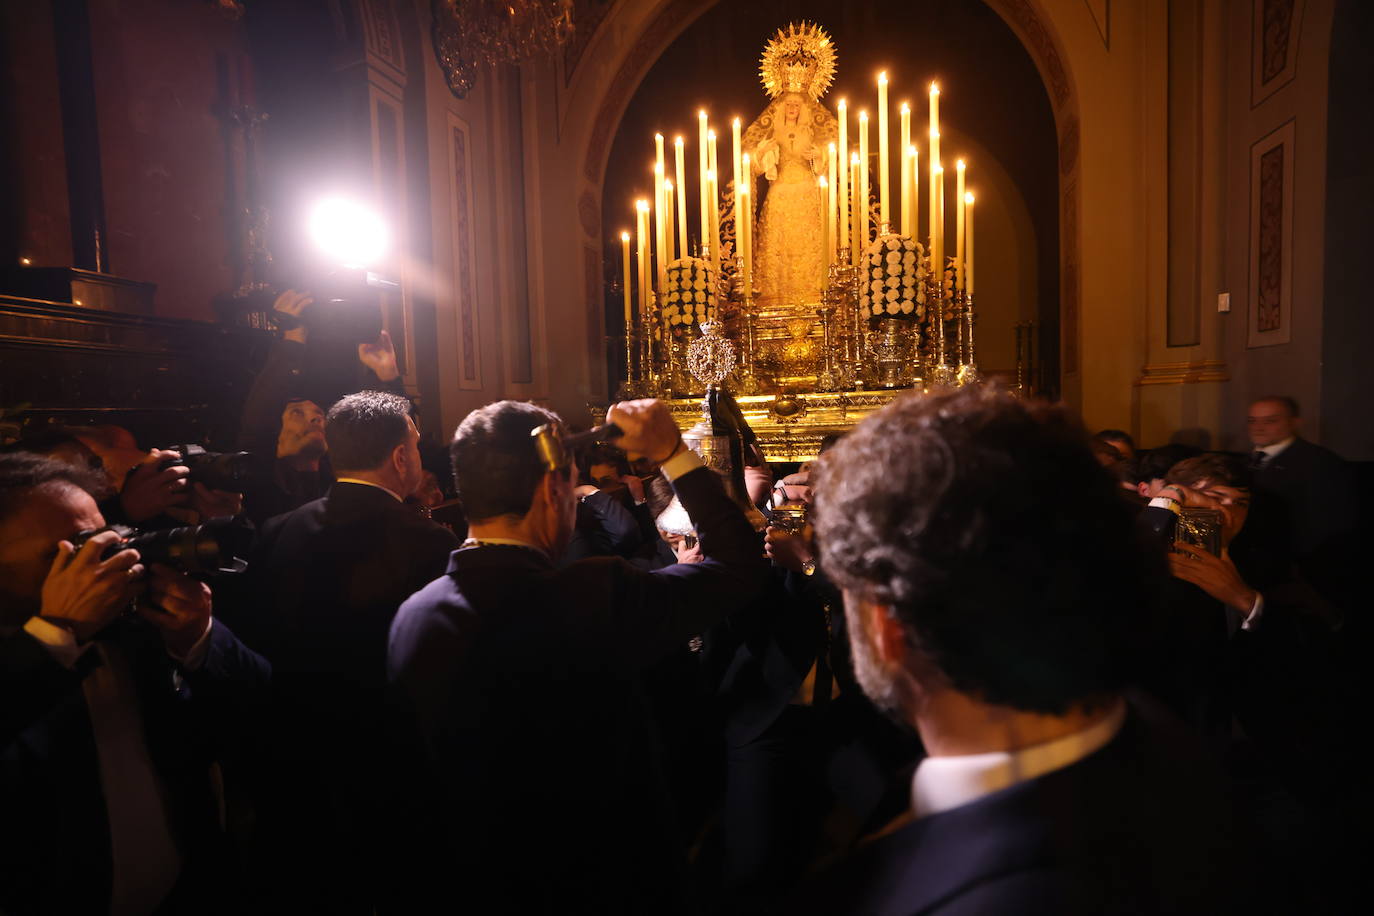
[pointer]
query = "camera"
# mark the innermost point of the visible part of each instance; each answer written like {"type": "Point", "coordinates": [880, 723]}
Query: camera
{"type": "Point", "coordinates": [228, 471]}
{"type": "Point", "coordinates": [347, 306]}
{"type": "Point", "coordinates": [791, 517]}
{"type": "Point", "coordinates": [218, 547]}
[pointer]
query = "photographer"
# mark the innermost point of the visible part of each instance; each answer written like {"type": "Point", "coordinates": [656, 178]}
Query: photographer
{"type": "Point", "coordinates": [103, 768]}
{"type": "Point", "coordinates": [282, 420]}
{"type": "Point", "coordinates": [152, 489]}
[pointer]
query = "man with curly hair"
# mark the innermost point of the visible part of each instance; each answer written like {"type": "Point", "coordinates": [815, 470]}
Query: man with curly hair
{"type": "Point", "coordinates": [994, 586]}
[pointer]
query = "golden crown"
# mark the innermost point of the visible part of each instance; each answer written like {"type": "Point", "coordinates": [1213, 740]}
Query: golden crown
{"type": "Point", "coordinates": [799, 58]}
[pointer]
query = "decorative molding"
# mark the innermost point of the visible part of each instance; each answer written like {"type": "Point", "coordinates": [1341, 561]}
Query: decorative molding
{"type": "Point", "coordinates": [1274, 33]}
{"type": "Point", "coordinates": [1187, 373]}
{"type": "Point", "coordinates": [588, 16]}
{"type": "Point", "coordinates": [382, 38]}
{"type": "Point", "coordinates": [1044, 50]}
{"type": "Point", "coordinates": [589, 212]}
{"type": "Point", "coordinates": [1069, 279]}
{"type": "Point", "coordinates": [464, 256]}
{"type": "Point", "coordinates": [1269, 300]}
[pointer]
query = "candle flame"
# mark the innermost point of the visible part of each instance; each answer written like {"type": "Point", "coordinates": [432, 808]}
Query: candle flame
{"type": "Point", "coordinates": [968, 198]}
{"type": "Point", "coordinates": [938, 170]}
{"type": "Point", "coordinates": [678, 140]}
{"type": "Point", "coordinates": [701, 113]}
{"type": "Point", "coordinates": [854, 159]}
{"type": "Point", "coordinates": [832, 149]}
{"type": "Point", "coordinates": [658, 136]}
{"type": "Point", "coordinates": [934, 88]}
{"type": "Point", "coordinates": [667, 185]}
{"type": "Point", "coordinates": [823, 182]}
{"type": "Point", "coordinates": [710, 174]}
{"type": "Point", "coordinates": [843, 103]}
{"type": "Point", "coordinates": [710, 135]}
{"type": "Point", "coordinates": [745, 157]}
{"type": "Point", "coordinates": [863, 115]}
{"type": "Point", "coordinates": [735, 122]}
{"type": "Point", "coordinates": [906, 109]}
{"type": "Point", "coordinates": [912, 150]}
{"type": "Point", "coordinates": [935, 135]}
{"type": "Point", "coordinates": [642, 205]}
{"type": "Point", "coordinates": [624, 236]}
{"type": "Point", "coordinates": [882, 78]}
{"type": "Point", "coordinates": [959, 164]}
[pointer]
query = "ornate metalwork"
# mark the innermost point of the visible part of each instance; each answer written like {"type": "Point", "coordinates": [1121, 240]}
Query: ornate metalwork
{"type": "Point", "coordinates": [711, 358]}
{"type": "Point", "coordinates": [470, 34]}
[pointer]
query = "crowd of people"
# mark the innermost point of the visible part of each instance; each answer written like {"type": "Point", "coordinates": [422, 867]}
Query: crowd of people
{"type": "Point", "coordinates": [971, 660]}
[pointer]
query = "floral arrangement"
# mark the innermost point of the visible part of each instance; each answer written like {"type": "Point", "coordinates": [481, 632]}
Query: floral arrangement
{"type": "Point", "coordinates": [690, 297]}
{"type": "Point", "coordinates": [893, 272]}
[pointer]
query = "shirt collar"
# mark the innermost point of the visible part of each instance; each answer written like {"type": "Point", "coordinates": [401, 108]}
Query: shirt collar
{"type": "Point", "coordinates": [368, 483]}
{"type": "Point", "coordinates": [1274, 450]}
{"type": "Point", "coordinates": [942, 783]}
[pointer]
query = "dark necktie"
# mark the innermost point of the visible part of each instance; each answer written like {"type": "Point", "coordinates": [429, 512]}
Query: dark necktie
{"type": "Point", "coordinates": [1257, 459]}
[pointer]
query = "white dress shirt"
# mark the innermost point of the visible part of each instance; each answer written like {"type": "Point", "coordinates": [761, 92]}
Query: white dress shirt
{"type": "Point", "coordinates": [1273, 451]}
{"type": "Point", "coordinates": [943, 783]}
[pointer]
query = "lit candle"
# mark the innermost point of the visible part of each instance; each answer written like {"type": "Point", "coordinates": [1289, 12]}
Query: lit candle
{"type": "Point", "coordinates": [937, 191]}
{"type": "Point", "coordinates": [742, 231]}
{"type": "Point", "coordinates": [830, 203]}
{"type": "Point", "coordinates": [884, 209]}
{"type": "Point", "coordinates": [735, 153]}
{"type": "Point", "coordinates": [934, 154]}
{"type": "Point", "coordinates": [915, 156]}
{"type": "Point", "coordinates": [855, 249]}
{"type": "Point", "coordinates": [823, 192]}
{"type": "Point", "coordinates": [861, 215]}
{"type": "Point", "coordinates": [844, 173]}
{"type": "Point", "coordinates": [660, 225]}
{"type": "Point", "coordinates": [968, 245]}
{"type": "Point", "coordinates": [908, 223]}
{"type": "Point", "coordinates": [713, 214]}
{"type": "Point", "coordinates": [748, 171]}
{"type": "Point", "coordinates": [642, 243]}
{"type": "Point", "coordinates": [669, 249]}
{"type": "Point", "coordinates": [625, 279]}
{"type": "Point", "coordinates": [702, 153]}
{"type": "Point", "coordinates": [832, 168]}
{"type": "Point", "coordinates": [959, 223]}
{"type": "Point", "coordinates": [680, 155]}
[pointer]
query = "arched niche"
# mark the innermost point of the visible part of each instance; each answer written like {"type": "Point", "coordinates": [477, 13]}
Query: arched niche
{"type": "Point", "coordinates": [999, 58]}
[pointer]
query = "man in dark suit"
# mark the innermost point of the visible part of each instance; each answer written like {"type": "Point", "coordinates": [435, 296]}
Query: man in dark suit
{"type": "Point", "coordinates": [111, 722]}
{"type": "Point", "coordinates": [326, 580]}
{"type": "Point", "coordinates": [993, 584]}
{"type": "Point", "coordinates": [1305, 497]}
{"type": "Point", "coordinates": [536, 781]}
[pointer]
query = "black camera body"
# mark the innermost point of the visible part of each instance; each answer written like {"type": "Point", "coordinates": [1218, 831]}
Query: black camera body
{"type": "Point", "coordinates": [228, 471]}
{"type": "Point", "coordinates": [347, 306]}
{"type": "Point", "coordinates": [218, 547]}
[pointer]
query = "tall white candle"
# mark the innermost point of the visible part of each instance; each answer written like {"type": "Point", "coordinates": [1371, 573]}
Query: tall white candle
{"type": "Point", "coordinates": [747, 170]}
{"type": "Point", "coordinates": [861, 215]}
{"type": "Point", "coordinates": [934, 157]}
{"type": "Point", "coordinates": [626, 280]}
{"type": "Point", "coordinates": [937, 183]}
{"type": "Point", "coordinates": [735, 153]}
{"type": "Point", "coordinates": [680, 156]}
{"type": "Point", "coordinates": [884, 204]}
{"type": "Point", "coordinates": [713, 214]}
{"type": "Point", "coordinates": [908, 224]}
{"type": "Point", "coordinates": [855, 248]}
{"type": "Point", "coordinates": [832, 175]}
{"type": "Point", "coordinates": [670, 248]}
{"type": "Point", "coordinates": [831, 228]}
{"type": "Point", "coordinates": [642, 243]}
{"type": "Point", "coordinates": [915, 156]}
{"type": "Point", "coordinates": [968, 245]}
{"type": "Point", "coordinates": [959, 168]}
{"type": "Point", "coordinates": [704, 166]}
{"type": "Point", "coordinates": [844, 173]}
{"type": "Point", "coordinates": [660, 224]}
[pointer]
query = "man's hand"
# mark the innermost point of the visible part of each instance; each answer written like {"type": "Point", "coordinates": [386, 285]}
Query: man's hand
{"type": "Point", "coordinates": [293, 303]}
{"type": "Point", "coordinates": [380, 357]}
{"type": "Point", "coordinates": [635, 486]}
{"type": "Point", "coordinates": [178, 606]}
{"type": "Point", "coordinates": [789, 549]}
{"type": "Point", "coordinates": [85, 593]}
{"type": "Point", "coordinates": [215, 503]}
{"type": "Point", "coordinates": [150, 490]}
{"type": "Point", "coordinates": [1217, 576]}
{"type": "Point", "coordinates": [647, 430]}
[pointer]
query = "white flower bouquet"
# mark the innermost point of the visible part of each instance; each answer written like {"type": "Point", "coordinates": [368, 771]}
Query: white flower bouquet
{"type": "Point", "coordinates": [893, 272]}
{"type": "Point", "coordinates": [690, 296]}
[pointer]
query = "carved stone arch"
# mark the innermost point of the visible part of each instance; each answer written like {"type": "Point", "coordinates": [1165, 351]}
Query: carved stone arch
{"type": "Point", "coordinates": [1028, 22]}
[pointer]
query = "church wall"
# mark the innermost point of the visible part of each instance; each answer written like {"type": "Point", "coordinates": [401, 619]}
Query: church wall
{"type": "Point", "coordinates": [1255, 114]}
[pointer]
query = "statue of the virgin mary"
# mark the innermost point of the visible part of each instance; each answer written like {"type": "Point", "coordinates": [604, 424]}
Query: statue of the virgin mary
{"type": "Point", "coordinates": [789, 145]}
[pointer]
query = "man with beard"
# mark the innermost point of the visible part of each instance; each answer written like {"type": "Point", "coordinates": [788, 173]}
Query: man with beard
{"type": "Point", "coordinates": [992, 584]}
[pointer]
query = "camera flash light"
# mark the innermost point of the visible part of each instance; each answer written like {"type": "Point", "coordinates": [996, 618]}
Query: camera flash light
{"type": "Point", "coordinates": [347, 232]}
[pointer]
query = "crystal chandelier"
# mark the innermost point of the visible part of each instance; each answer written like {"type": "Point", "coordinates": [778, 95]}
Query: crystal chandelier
{"type": "Point", "coordinates": [469, 34]}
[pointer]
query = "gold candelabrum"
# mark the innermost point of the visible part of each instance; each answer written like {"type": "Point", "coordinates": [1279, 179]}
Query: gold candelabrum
{"type": "Point", "coordinates": [811, 368]}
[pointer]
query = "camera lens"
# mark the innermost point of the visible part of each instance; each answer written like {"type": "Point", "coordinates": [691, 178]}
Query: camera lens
{"type": "Point", "coordinates": [219, 546]}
